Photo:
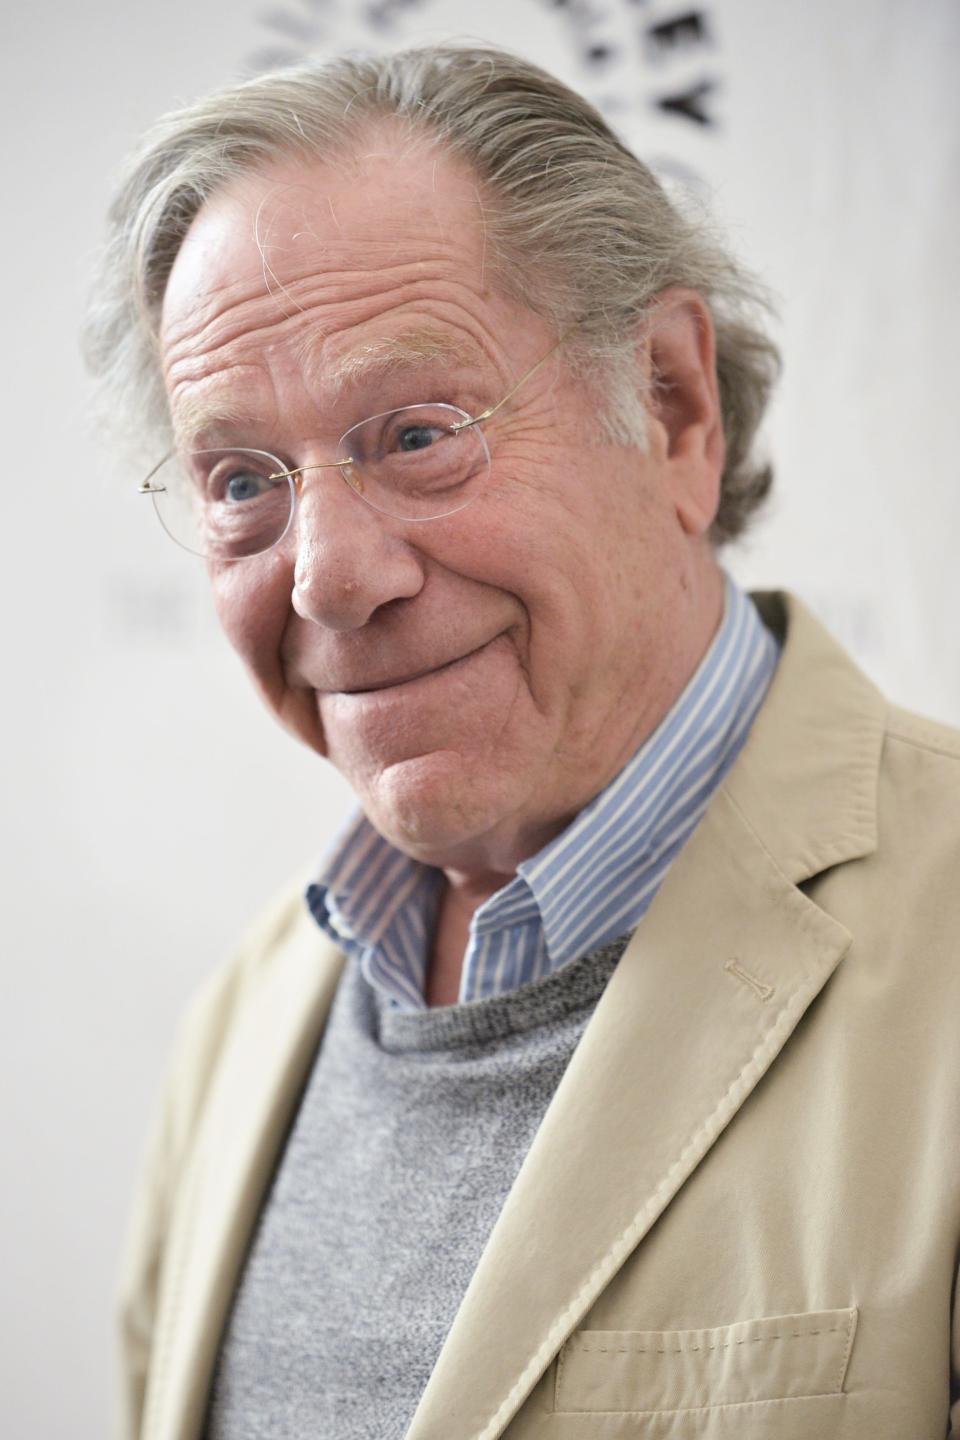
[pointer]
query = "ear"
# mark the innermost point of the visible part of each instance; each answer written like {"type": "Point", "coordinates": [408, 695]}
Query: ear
{"type": "Point", "coordinates": [685, 405]}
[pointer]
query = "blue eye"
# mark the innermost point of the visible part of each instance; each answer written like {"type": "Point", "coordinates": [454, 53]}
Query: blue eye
{"type": "Point", "coordinates": [245, 485]}
{"type": "Point", "coordinates": [417, 437]}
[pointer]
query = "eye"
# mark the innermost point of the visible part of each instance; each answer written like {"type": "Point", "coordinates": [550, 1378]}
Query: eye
{"type": "Point", "coordinates": [417, 437]}
{"type": "Point", "coordinates": [243, 485]}
{"type": "Point", "coordinates": [233, 479]}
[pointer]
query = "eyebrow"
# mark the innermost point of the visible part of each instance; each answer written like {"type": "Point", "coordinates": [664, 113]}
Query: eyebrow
{"type": "Point", "coordinates": [199, 419]}
{"type": "Point", "coordinates": [383, 356]}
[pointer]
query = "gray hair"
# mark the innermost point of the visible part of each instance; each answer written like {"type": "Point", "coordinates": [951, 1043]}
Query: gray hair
{"type": "Point", "coordinates": [578, 228]}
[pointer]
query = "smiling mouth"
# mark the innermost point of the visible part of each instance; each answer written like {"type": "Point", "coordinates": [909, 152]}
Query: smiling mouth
{"type": "Point", "coordinates": [415, 675]}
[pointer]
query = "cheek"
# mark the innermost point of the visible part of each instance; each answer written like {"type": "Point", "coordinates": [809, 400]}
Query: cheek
{"type": "Point", "coordinates": [252, 601]}
{"type": "Point", "coordinates": [592, 559]}
{"type": "Point", "coordinates": [567, 538]}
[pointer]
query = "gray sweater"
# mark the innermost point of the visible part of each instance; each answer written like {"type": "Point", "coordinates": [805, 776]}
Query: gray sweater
{"type": "Point", "coordinates": [411, 1131]}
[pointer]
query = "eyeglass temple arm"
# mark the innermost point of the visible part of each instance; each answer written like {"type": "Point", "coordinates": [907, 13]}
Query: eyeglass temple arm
{"type": "Point", "coordinates": [147, 486]}
{"type": "Point", "coordinates": [492, 410]}
{"type": "Point", "coordinates": [327, 465]}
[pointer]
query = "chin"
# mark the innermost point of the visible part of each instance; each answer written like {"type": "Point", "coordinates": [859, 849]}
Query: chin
{"type": "Point", "coordinates": [441, 809]}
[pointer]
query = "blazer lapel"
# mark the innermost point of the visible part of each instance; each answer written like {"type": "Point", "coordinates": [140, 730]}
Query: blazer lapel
{"type": "Point", "coordinates": [251, 1106]}
{"type": "Point", "coordinates": [727, 960]}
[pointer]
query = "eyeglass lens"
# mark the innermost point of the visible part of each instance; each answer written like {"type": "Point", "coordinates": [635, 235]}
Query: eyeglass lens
{"type": "Point", "coordinates": [414, 464]}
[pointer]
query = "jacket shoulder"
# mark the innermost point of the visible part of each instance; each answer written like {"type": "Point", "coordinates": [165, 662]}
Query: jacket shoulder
{"type": "Point", "coordinates": [920, 781]}
{"type": "Point", "coordinates": [921, 733]}
{"type": "Point", "coordinates": [918, 814]}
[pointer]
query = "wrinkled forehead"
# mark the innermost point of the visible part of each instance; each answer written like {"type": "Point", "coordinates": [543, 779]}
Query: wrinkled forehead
{"type": "Point", "coordinates": [298, 231]}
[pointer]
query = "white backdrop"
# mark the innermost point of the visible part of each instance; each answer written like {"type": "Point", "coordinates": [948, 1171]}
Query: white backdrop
{"type": "Point", "coordinates": [150, 807]}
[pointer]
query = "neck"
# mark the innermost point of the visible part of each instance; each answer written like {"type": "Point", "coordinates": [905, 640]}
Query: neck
{"type": "Point", "coordinates": [462, 896]}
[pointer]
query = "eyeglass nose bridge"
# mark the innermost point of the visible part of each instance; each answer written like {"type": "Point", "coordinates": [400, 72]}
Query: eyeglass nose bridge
{"type": "Point", "coordinates": [354, 481]}
{"type": "Point", "coordinates": [295, 474]}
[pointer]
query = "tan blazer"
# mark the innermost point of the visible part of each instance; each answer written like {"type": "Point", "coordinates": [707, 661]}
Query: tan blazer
{"type": "Point", "coordinates": [741, 1215]}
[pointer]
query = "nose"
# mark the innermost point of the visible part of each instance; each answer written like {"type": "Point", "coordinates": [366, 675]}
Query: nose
{"type": "Point", "coordinates": [349, 558]}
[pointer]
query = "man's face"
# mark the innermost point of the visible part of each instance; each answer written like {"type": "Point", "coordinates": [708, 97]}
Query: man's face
{"type": "Point", "coordinates": [477, 678]}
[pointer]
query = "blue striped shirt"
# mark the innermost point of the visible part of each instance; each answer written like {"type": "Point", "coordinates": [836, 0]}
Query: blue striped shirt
{"type": "Point", "coordinates": [594, 881]}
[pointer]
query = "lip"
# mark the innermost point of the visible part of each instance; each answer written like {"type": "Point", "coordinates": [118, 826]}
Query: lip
{"type": "Point", "coordinates": [397, 683]}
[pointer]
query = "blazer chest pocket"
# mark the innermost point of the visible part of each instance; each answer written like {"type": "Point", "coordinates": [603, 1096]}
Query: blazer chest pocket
{"type": "Point", "coordinates": [779, 1358]}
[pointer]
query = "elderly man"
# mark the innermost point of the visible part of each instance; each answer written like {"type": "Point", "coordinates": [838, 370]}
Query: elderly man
{"type": "Point", "coordinates": [607, 1084]}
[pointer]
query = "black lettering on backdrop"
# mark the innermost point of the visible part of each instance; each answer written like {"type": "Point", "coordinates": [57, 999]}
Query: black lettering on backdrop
{"type": "Point", "coordinates": [666, 37]}
{"type": "Point", "coordinates": [673, 37]}
{"type": "Point", "coordinates": [690, 103]}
